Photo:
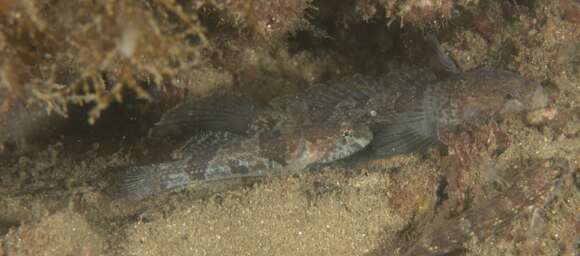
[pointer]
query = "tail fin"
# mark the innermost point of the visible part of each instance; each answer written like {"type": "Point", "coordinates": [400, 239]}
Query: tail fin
{"type": "Point", "coordinates": [139, 182]}
{"type": "Point", "coordinates": [407, 132]}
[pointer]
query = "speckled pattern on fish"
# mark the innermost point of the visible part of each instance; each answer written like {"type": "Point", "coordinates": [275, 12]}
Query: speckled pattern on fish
{"type": "Point", "coordinates": [222, 155]}
{"type": "Point", "coordinates": [410, 110]}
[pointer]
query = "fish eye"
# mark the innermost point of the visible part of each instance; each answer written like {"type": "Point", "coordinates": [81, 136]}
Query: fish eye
{"type": "Point", "coordinates": [347, 133]}
{"type": "Point", "coordinates": [508, 96]}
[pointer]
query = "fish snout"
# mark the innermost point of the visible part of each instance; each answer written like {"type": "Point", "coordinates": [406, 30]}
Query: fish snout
{"type": "Point", "coordinates": [531, 100]}
{"type": "Point", "coordinates": [362, 136]}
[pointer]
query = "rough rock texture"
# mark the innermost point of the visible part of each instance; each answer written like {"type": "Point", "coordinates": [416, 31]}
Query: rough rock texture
{"type": "Point", "coordinates": [120, 64]}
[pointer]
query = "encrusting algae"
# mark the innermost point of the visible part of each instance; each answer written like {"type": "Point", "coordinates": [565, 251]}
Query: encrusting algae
{"type": "Point", "coordinates": [485, 190]}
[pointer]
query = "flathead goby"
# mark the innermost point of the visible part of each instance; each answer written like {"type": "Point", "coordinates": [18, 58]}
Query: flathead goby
{"type": "Point", "coordinates": [411, 109]}
{"type": "Point", "coordinates": [221, 155]}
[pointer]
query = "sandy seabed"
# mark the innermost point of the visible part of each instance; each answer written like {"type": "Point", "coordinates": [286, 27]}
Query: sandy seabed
{"type": "Point", "coordinates": [51, 201]}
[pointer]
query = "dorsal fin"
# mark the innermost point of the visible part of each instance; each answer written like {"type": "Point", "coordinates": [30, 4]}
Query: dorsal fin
{"type": "Point", "coordinates": [338, 99]}
{"type": "Point", "coordinates": [221, 112]}
{"type": "Point", "coordinates": [208, 141]}
{"type": "Point", "coordinates": [336, 92]}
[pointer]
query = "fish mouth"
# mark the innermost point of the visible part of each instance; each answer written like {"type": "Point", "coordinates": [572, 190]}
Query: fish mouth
{"type": "Point", "coordinates": [361, 143]}
{"type": "Point", "coordinates": [363, 139]}
{"type": "Point", "coordinates": [344, 150]}
{"type": "Point", "coordinates": [537, 100]}
{"type": "Point", "coordinates": [358, 143]}
{"type": "Point", "coordinates": [540, 98]}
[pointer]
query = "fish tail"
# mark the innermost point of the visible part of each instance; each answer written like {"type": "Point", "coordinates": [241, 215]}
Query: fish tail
{"type": "Point", "coordinates": [139, 182]}
{"type": "Point", "coordinates": [407, 132]}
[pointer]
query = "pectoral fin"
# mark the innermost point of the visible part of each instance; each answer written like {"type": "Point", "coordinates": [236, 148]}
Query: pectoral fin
{"type": "Point", "coordinates": [406, 132]}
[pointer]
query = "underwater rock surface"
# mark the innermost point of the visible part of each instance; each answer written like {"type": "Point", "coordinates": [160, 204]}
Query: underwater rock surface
{"type": "Point", "coordinates": [113, 68]}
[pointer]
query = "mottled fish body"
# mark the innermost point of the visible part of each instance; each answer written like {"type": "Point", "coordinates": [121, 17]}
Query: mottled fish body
{"type": "Point", "coordinates": [410, 110]}
{"type": "Point", "coordinates": [222, 155]}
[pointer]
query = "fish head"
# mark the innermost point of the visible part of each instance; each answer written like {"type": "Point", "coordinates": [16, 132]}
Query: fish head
{"type": "Point", "coordinates": [334, 141]}
{"type": "Point", "coordinates": [497, 95]}
{"type": "Point", "coordinates": [523, 95]}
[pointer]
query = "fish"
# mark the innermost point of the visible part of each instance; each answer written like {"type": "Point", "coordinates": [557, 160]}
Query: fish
{"type": "Point", "coordinates": [214, 155]}
{"type": "Point", "coordinates": [408, 110]}
{"type": "Point", "coordinates": [462, 102]}
{"type": "Point", "coordinates": [356, 98]}
{"type": "Point", "coordinates": [411, 109]}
